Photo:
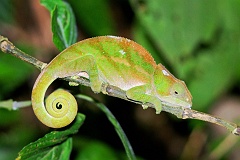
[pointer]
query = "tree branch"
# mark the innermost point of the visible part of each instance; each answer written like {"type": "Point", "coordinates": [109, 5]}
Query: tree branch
{"type": "Point", "coordinates": [7, 47]}
{"type": "Point", "coordinates": [183, 113]}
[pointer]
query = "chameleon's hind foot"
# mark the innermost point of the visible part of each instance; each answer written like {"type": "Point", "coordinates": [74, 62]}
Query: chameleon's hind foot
{"type": "Point", "coordinates": [74, 83]}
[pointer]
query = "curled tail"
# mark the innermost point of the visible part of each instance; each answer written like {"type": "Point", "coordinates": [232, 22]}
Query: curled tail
{"type": "Point", "coordinates": [61, 107]}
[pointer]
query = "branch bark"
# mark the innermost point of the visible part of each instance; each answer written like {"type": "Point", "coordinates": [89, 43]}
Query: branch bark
{"type": "Point", "coordinates": [183, 113]}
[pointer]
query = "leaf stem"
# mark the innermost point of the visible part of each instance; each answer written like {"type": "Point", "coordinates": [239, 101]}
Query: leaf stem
{"type": "Point", "coordinates": [117, 126]}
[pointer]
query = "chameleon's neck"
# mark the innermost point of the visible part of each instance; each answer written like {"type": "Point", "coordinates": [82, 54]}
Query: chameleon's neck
{"type": "Point", "coordinates": [162, 80]}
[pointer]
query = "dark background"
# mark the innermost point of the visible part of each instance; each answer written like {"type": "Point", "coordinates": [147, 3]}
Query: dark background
{"type": "Point", "coordinates": [198, 41]}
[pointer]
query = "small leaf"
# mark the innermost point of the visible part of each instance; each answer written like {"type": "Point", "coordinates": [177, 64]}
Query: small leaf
{"type": "Point", "coordinates": [63, 23]}
{"type": "Point", "coordinates": [55, 143]}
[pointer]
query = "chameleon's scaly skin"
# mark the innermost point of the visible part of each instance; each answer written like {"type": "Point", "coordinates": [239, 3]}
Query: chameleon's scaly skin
{"type": "Point", "coordinates": [116, 61]}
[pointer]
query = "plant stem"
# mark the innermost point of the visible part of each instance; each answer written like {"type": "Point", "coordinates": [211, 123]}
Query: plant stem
{"type": "Point", "coordinates": [117, 126]}
{"type": "Point", "coordinates": [183, 113]}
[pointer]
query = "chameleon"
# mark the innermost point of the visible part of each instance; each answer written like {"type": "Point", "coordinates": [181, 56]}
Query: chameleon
{"type": "Point", "coordinates": [104, 60]}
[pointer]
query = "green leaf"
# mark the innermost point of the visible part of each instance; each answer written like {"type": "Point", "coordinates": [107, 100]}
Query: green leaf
{"type": "Point", "coordinates": [54, 145]}
{"type": "Point", "coordinates": [63, 23]}
{"type": "Point", "coordinates": [61, 151]}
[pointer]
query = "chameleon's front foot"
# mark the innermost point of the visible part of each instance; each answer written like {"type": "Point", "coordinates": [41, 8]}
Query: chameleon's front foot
{"type": "Point", "coordinates": [158, 107]}
{"type": "Point", "coordinates": [138, 93]}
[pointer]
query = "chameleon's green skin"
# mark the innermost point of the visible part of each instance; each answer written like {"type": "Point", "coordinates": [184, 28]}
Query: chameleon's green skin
{"type": "Point", "coordinates": [116, 61]}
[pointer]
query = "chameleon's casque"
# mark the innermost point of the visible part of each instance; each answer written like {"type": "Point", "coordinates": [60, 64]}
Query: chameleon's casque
{"type": "Point", "coordinates": [110, 60]}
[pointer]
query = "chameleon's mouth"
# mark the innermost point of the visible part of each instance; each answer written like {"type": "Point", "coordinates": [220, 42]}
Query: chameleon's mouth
{"type": "Point", "coordinates": [177, 103]}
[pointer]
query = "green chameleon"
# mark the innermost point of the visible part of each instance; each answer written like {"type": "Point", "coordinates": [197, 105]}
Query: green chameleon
{"type": "Point", "coordinates": [111, 60]}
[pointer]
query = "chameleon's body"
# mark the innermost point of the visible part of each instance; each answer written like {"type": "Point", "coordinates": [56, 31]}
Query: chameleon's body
{"type": "Point", "coordinates": [110, 60]}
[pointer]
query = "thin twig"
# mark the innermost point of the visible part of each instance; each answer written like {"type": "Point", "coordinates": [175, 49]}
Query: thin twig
{"type": "Point", "coordinates": [7, 47]}
{"type": "Point", "coordinates": [193, 114]}
{"type": "Point", "coordinates": [183, 113]}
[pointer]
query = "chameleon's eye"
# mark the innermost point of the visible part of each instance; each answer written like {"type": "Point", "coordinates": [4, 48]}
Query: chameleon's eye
{"type": "Point", "coordinates": [178, 90]}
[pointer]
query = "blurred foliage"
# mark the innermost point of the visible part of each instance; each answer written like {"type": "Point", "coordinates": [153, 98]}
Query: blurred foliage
{"type": "Point", "coordinates": [6, 11]}
{"type": "Point", "coordinates": [20, 69]}
{"type": "Point", "coordinates": [94, 16]}
{"type": "Point", "coordinates": [198, 41]}
{"type": "Point", "coordinates": [100, 150]}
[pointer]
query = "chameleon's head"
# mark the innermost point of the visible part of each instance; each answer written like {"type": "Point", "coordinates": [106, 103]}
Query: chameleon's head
{"type": "Point", "coordinates": [170, 90]}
